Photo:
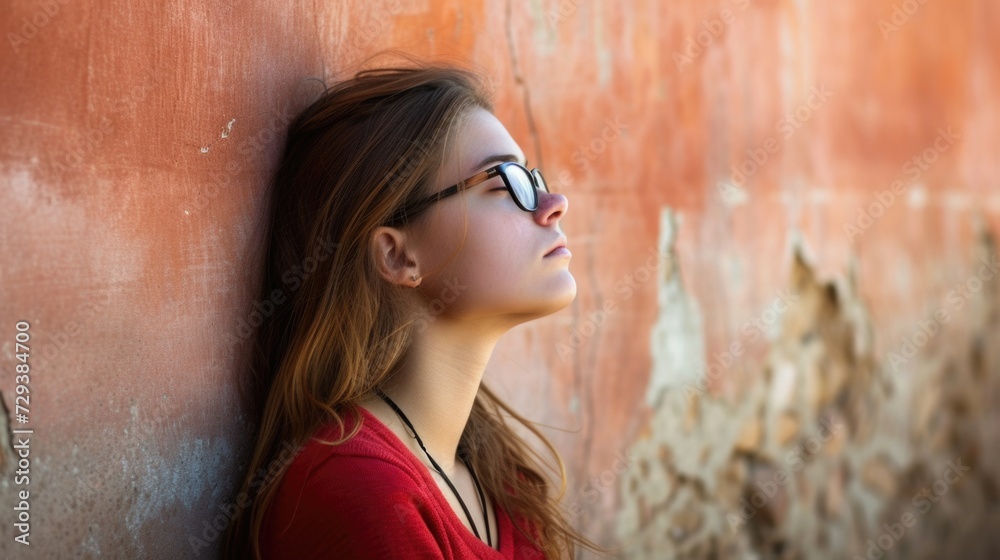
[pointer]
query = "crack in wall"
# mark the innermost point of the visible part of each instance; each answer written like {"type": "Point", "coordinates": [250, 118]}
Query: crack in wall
{"type": "Point", "coordinates": [519, 80]}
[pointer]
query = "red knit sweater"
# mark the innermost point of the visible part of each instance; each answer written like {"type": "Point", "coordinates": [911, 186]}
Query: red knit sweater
{"type": "Point", "coordinates": [370, 498]}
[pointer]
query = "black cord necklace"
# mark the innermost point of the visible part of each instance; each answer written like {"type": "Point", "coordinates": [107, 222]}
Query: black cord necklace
{"type": "Point", "coordinates": [468, 465]}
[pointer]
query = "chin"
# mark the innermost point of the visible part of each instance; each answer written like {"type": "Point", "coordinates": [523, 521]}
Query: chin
{"type": "Point", "coordinates": [564, 295]}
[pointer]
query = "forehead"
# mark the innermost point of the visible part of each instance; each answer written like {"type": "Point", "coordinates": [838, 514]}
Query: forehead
{"type": "Point", "coordinates": [478, 136]}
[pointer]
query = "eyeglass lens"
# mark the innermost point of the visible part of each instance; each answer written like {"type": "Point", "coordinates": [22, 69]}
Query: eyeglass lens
{"type": "Point", "coordinates": [523, 187]}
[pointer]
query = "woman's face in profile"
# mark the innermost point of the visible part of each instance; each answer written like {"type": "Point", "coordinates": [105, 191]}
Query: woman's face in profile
{"type": "Point", "coordinates": [501, 270]}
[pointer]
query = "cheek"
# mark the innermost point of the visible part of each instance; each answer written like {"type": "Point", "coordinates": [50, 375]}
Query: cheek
{"type": "Point", "coordinates": [493, 256]}
{"type": "Point", "coordinates": [493, 263]}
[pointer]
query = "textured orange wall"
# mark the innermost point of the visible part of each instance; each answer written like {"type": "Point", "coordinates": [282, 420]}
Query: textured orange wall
{"type": "Point", "coordinates": [138, 139]}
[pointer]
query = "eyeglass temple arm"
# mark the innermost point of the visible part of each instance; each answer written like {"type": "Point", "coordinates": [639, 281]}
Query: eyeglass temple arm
{"type": "Point", "coordinates": [420, 205]}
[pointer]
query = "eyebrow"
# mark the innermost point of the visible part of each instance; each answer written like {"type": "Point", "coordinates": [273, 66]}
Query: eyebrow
{"type": "Point", "coordinates": [497, 157]}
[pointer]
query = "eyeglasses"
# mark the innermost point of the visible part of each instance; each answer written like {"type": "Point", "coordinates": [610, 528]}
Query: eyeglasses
{"type": "Point", "coordinates": [522, 185]}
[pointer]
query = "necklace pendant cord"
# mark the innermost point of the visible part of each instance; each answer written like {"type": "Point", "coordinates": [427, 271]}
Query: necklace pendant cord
{"type": "Point", "coordinates": [468, 465]}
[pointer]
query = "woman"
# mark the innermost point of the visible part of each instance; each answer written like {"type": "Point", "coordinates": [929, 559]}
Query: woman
{"type": "Point", "coordinates": [406, 235]}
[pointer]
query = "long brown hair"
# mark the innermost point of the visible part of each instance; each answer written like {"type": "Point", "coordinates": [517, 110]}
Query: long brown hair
{"type": "Point", "coordinates": [368, 146]}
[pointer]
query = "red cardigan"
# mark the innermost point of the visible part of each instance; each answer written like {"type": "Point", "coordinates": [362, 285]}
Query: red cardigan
{"type": "Point", "coordinates": [370, 498]}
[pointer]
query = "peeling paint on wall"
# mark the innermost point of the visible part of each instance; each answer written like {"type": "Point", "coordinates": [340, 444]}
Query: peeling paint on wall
{"type": "Point", "coordinates": [830, 450]}
{"type": "Point", "coordinates": [677, 339]}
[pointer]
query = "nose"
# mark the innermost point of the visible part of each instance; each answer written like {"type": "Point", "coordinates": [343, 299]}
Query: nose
{"type": "Point", "coordinates": [551, 208]}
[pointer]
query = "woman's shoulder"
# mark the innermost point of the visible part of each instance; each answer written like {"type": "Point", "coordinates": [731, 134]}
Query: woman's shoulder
{"type": "Point", "coordinates": [339, 498]}
{"type": "Point", "coordinates": [370, 455]}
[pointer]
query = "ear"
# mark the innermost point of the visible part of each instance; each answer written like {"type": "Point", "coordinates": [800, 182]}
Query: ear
{"type": "Point", "coordinates": [395, 260]}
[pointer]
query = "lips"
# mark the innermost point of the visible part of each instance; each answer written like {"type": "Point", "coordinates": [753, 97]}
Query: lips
{"type": "Point", "coordinates": [561, 242]}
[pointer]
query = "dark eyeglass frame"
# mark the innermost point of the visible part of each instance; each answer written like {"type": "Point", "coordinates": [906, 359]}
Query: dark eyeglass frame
{"type": "Point", "coordinates": [535, 176]}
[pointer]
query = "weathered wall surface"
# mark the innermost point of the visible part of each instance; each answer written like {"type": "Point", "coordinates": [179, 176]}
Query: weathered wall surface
{"type": "Point", "coordinates": [828, 450]}
{"type": "Point", "coordinates": [810, 187]}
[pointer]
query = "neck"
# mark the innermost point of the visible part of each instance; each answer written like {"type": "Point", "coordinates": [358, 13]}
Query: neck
{"type": "Point", "coordinates": [436, 385]}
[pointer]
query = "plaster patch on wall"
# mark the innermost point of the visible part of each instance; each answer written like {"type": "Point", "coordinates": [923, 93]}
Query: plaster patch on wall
{"type": "Point", "coordinates": [102, 253]}
{"type": "Point", "coordinates": [826, 446]}
{"type": "Point", "coordinates": [7, 454]}
{"type": "Point", "coordinates": [676, 339]}
{"type": "Point", "coordinates": [189, 478]}
{"type": "Point", "coordinates": [222, 136]}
